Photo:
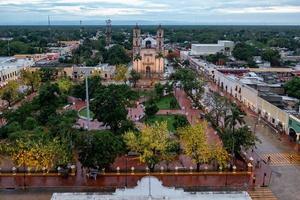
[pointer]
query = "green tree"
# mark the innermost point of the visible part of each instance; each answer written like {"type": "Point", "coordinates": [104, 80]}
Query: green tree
{"type": "Point", "coordinates": [94, 83]}
{"type": "Point", "coordinates": [243, 51]}
{"type": "Point", "coordinates": [234, 119]}
{"type": "Point", "coordinates": [180, 121]}
{"type": "Point", "coordinates": [31, 79]}
{"type": "Point", "coordinates": [219, 108]}
{"type": "Point", "coordinates": [113, 99]}
{"type": "Point", "coordinates": [292, 87]}
{"type": "Point", "coordinates": [10, 92]}
{"type": "Point", "coordinates": [151, 108]}
{"type": "Point", "coordinates": [117, 55]}
{"type": "Point", "coordinates": [48, 101]}
{"type": "Point", "coordinates": [99, 149]}
{"type": "Point", "coordinates": [240, 138]}
{"type": "Point", "coordinates": [159, 90]}
{"type": "Point", "coordinates": [134, 77]}
{"type": "Point", "coordinates": [48, 74]}
{"type": "Point", "coordinates": [65, 85]}
{"type": "Point", "coordinates": [173, 103]}
{"type": "Point", "coordinates": [272, 56]}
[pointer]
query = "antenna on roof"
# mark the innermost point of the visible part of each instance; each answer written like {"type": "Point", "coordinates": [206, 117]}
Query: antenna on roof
{"type": "Point", "coordinates": [81, 28]}
{"type": "Point", "coordinates": [108, 32]}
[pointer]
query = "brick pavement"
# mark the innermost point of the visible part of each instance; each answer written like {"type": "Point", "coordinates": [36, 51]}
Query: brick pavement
{"type": "Point", "coordinates": [193, 115]}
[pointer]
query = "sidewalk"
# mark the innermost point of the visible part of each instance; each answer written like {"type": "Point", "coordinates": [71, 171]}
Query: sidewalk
{"type": "Point", "coordinates": [193, 115]}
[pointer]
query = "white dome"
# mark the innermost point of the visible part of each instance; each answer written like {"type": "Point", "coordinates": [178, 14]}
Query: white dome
{"type": "Point", "coordinates": [150, 40]}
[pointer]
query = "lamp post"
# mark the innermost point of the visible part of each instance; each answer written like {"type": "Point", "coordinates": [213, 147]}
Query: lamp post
{"type": "Point", "coordinates": [126, 163]}
{"type": "Point", "coordinates": [87, 100]}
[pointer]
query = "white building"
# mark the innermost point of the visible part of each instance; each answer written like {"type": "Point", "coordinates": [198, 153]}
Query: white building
{"type": "Point", "coordinates": [223, 46]}
{"type": "Point", "coordinates": [10, 68]}
{"type": "Point", "coordinates": [242, 92]}
{"type": "Point", "coordinates": [150, 188]}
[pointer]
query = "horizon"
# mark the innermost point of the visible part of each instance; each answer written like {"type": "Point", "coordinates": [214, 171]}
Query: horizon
{"type": "Point", "coordinates": [193, 12]}
{"type": "Point", "coordinates": [139, 22]}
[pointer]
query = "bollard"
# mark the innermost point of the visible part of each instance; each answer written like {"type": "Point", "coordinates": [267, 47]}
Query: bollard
{"type": "Point", "coordinates": [220, 168]}
{"type": "Point", "coordinates": [191, 169]}
{"type": "Point", "coordinates": [118, 170]}
{"type": "Point", "coordinates": [44, 170]}
{"type": "Point", "coordinates": [58, 170]}
{"type": "Point", "coordinates": [147, 170]}
{"type": "Point", "coordinates": [14, 170]}
{"type": "Point", "coordinates": [176, 170]}
{"type": "Point", "coordinates": [233, 168]}
{"type": "Point", "coordinates": [73, 169]}
{"type": "Point", "coordinates": [103, 170]}
{"type": "Point", "coordinates": [132, 170]}
{"type": "Point", "coordinates": [28, 170]}
{"type": "Point", "coordinates": [161, 169]}
{"type": "Point", "coordinates": [250, 167]}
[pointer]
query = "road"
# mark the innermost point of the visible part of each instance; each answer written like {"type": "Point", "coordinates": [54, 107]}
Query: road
{"type": "Point", "coordinates": [284, 168]}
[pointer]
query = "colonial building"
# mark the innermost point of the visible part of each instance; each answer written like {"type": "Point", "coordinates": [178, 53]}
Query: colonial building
{"type": "Point", "coordinates": [148, 54]}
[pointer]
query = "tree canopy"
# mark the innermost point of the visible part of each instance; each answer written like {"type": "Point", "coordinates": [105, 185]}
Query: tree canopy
{"type": "Point", "coordinates": [110, 104]}
{"type": "Point", "coordinates": [99, 149]}
{"type": "Point", "coordinates": [152, 143]}
{"type": "Point", "coordinates": [292, 87]}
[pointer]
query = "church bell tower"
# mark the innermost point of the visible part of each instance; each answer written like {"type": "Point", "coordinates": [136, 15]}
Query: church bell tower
{"type": "Point", "coordinates": [160, 39]}
{"type": "Point", "coordinates": [136, 40]}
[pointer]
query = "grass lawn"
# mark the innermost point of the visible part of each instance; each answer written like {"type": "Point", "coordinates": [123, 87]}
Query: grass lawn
{"type": "Point", "coordinates": [169, 118]}
{"type": "Point", "coordinates": [145, 93]}
{"type": "Point", "coordinates": [82, 113]}
{"type": "Point", "coordinates": [164, 103]}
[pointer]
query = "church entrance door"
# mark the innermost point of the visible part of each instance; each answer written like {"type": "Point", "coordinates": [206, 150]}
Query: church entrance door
{"type": "Point", "coordinates": [148, 72]}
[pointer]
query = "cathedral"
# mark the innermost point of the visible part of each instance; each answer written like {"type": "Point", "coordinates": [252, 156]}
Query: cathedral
{"type": "Point", "coordinates": [148, 54]}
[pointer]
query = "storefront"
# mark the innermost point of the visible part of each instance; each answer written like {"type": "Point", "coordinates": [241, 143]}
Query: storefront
{"type": "Point", "coordinates": [294, 128]}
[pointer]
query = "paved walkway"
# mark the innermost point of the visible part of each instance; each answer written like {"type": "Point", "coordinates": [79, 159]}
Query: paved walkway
{"type": "Point", "coordinates": [170, 112]}
{"type": "Point", "coordinates": [193, 115]}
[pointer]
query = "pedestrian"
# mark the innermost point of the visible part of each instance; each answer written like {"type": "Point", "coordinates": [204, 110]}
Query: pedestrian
{"type": "Point", "coordinates": [269, 159]}
{"type": "Point", "coordinates": [253, 180]}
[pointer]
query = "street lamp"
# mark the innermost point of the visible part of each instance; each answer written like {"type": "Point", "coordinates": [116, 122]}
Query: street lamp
{"type": "Point", "coordinates": [87, 100]}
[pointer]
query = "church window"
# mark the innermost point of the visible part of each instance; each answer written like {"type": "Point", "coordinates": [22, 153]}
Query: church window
{"type": "Point", "coordinates": [148, 44]}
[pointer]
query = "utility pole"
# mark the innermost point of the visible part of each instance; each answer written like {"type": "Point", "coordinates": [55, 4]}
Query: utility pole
{"type": "Point", "coordinates": [108, 32]}
{"type": "Point", "coordinates": [81, 28]}
{"type": "Point", "coordinates": [87, 101]}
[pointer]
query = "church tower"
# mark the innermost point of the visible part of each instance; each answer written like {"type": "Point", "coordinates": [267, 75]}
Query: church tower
{"type": "Point", "coordinates": [160, 39]}
{"type": "Point", "coordinates": [136, 40]}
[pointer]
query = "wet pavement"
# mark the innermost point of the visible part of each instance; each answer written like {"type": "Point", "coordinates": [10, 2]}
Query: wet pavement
{"type": "Point", "coordinates": [283, 172]}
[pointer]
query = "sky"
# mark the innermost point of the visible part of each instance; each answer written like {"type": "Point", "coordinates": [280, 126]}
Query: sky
{"type": "Point", "coordinates": [263, 12]}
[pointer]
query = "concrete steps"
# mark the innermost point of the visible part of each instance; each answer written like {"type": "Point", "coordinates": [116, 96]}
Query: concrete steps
{"type": "Point", "coordinates": [262, 193]}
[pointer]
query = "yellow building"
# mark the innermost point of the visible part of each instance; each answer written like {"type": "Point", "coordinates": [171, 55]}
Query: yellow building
{"type": "Point", "coordinates": [148, 54]}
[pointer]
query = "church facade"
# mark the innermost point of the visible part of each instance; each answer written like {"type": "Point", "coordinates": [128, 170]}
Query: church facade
{"type": "Point", "coordinates": [148, 54]}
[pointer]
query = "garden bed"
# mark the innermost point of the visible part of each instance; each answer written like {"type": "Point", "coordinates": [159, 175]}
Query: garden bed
{"type": "Point", "coordinates": [165, 103]}
{"type": "Point", "coordinates": [82, 113]}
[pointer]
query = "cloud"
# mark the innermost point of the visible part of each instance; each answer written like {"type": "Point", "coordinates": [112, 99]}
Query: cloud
{"type": "Point", "coordinates": [267, 9]}
{"type": "Point", "coordinates": [183, 10]}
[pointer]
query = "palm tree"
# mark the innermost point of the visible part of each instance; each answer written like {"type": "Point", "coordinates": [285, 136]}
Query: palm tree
{"type": "Point", "coordinates": [159, 56]}
{"type": "Point", "coordinates": [137, 58]}
{"type": "Point", "coordinates": [236, 117]}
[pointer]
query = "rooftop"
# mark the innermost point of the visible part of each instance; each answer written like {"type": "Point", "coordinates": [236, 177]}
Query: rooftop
{"type": "Point", "coordinates": [157, 192]}
{"type": "Point", "coordinates": [8, 62]}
